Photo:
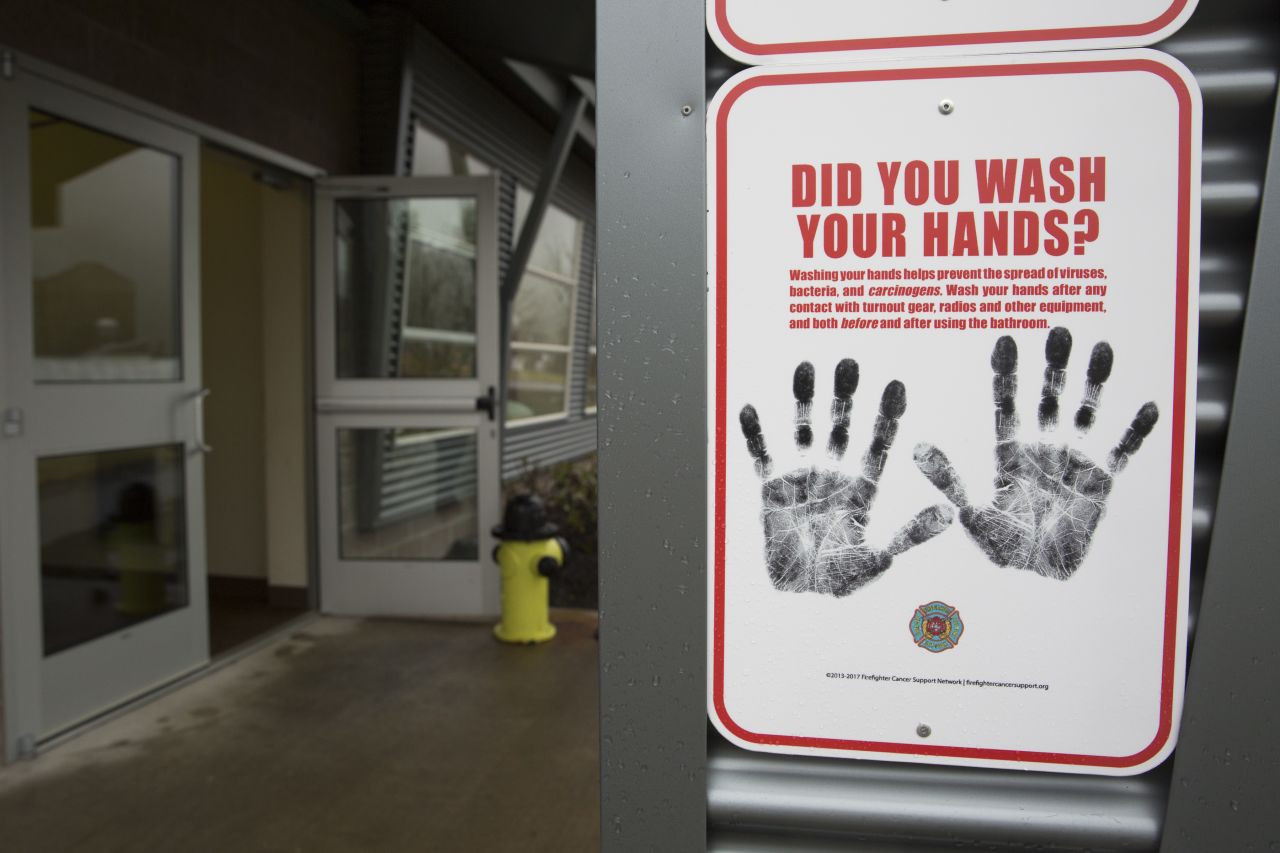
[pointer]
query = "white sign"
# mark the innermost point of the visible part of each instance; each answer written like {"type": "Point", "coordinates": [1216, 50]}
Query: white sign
{"type": "Point", "coordinates": [952, 336]}
{"type": "Point", "coordinates": [764, 31]}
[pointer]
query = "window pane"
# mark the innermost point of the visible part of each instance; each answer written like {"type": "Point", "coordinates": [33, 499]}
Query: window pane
{"type": "Point", "coordinates": [543, 314]}
{"type": "Point", "coordinates": [537, 382]}
{"type": "Point", "coordinates": [438, 337]}
{"type": "Point", "coordinates": [435, 358]}
{"type": "Point", "coordinates": [557, 247]}
{"type": "Point", "coordinates": [408, 494]}
{"type": "Point", "coordinates": [434, 155]}
{"type": "Point", "coordinates": [106, 286]}
{"type": "Point", "coordinates": [112, 541]}
{"type": "Point", "coordinates": [543, 311]}
{"type": "Point", "coordinates": [445, 222]}
{"type": "Point", "coordinates": [406, 288]}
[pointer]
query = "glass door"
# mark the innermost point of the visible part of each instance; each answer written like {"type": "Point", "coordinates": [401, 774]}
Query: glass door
{"type": "Point", "coordinates": [407, 373]}
{"type": "Point", "coordinates": [101, 472]}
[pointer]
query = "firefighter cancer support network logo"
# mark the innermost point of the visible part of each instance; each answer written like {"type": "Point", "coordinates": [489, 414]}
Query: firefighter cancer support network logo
{"type": "Point", "coordinates": [936, 626]}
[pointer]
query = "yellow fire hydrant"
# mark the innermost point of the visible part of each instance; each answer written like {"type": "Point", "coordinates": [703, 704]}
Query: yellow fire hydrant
{"type": "Point", "coordinates": [530, 554]}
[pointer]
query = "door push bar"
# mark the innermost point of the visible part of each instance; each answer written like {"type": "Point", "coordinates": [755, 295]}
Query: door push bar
{"type": "Point", "coordinates": [408, 405]}
{"type": "Point", "coordinates": [201, 445]}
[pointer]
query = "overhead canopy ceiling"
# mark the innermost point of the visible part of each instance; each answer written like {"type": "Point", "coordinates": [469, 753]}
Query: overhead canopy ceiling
{"type": "Point", "coordinates": [556, 34]}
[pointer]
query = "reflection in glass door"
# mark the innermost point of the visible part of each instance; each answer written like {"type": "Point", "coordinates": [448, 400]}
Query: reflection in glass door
{"type": "Point", "coordinates": [407, 494]}
{"type": "Point", "coordinates": [104, 255]}
{"type": "Point", "coordinates": [407, 357]}
{"type": "Point", "coordinates": [101, 532]}
{"type": "Point", "coordinates": [406, 279]}
{"type": "Point", "coordinates": [112, 542]}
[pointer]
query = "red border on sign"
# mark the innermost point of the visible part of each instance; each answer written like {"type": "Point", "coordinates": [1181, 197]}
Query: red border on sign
{"type": "Point", "coordinates": [1176, 463]}
{"type": "Point", "coordinates": [945, 39]}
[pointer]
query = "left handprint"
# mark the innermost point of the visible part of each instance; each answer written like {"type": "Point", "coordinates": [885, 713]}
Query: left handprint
{"type": "Point", "coordinates": [815, 519]}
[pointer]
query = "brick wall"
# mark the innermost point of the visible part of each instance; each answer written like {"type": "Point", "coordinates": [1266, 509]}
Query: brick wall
{"type": "Point", "coordinates": [283, 73]}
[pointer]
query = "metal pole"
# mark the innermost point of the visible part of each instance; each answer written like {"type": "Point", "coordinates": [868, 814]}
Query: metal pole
{"type": "Point", "coordinates": [650, 200]}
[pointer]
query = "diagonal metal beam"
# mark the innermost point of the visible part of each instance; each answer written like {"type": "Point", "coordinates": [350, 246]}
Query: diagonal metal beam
{"type": "Point", "coordinates": [588, 87]}
{"type": "Point", "coordinates": [552, 88]}
{"type": "Point", "coordinates": [557, 156]}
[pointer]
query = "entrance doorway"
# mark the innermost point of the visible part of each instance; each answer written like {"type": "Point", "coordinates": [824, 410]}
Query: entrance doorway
{"type": "Point", "coordinates": [255, 278]}
{"type": "Point", "coordinates": [155, 416]}
{"type": "Point", "coordinates": [158, 417]}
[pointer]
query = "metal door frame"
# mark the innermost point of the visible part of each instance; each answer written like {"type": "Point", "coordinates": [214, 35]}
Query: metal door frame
{"type": "Point", "coordinates": [406, 587]}
{"type": "Point", "coordinates": [179, 638]}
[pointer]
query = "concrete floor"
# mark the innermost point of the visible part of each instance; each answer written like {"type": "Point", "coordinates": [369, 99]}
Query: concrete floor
{"type": "Point", "coordinates": [347, 735]}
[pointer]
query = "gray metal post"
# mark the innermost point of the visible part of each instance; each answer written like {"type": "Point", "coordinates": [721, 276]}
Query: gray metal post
{"type": "Point", "coordinates": [1225, 786]}
{"type": "Point", "coordinates": [651, 313]}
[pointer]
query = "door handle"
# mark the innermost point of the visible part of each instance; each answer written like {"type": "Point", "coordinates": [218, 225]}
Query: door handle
{"type": "Point", "coordinates": [12, 423]}
{"type": "Point", "coordinates": [488, 403]}
{"type": "Point", "coordinates": [198, 399]}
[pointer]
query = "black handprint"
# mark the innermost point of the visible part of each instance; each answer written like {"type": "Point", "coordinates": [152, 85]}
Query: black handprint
{"type": "Point", "coordinates": [815, 520]}
{"type": "Point", "coordinates": [1049, 497]}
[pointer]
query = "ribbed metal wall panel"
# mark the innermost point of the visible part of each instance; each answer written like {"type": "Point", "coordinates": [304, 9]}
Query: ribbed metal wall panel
{"type": "Point", "coordinates": [506, 222]}
{"type": "Point", "coordinates": [583, 310]}
{"type": "Point", "coordinates": [545, 444]}
{"type": "Point", "coordinates": [455, 101]}
{"type": "Point", "coordinates": [761, 802]}
{"type": "Point", "coordinates": [781, 796]}
{"type": "Point", "coordinates": [417, 478]}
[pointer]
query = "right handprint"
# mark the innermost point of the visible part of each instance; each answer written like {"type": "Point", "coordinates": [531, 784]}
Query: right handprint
{"type": "Point", "coordinates": [1049, 497]}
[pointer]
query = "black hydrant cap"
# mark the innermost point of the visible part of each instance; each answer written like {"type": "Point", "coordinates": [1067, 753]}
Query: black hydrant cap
{"type": "Point", "coordinates": [525, 520]}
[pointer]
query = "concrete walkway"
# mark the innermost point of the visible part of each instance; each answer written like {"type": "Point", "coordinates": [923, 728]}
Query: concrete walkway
{"type": "Point", "coordinates": [348, 735]}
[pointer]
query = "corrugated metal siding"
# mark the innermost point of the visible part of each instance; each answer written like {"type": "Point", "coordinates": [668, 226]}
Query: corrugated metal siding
{"type": "Point", "coordinates": [506, 222]}
{"type": "Point", "coordinates": [452, 99]}
{"type": "Point", "coordinates": [781, 797]}
{"type": "Point", "coordinates": [450, 463]}
{"type": "Point", "coordinates": [764, 802]}
{"type": "Point", "coordinates": [546, 444]}
{"type": "Point", "coordinates": [583, 308]}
